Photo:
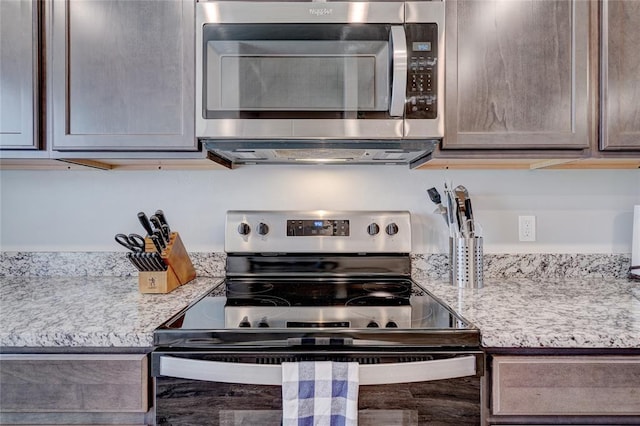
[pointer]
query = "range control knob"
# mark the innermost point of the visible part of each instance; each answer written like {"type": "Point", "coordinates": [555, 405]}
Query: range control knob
{"type": "Point", "coordinates": [263, 228]}
{"type": "Point", "coordinates": [373, 229]}
{"type": "Point", "coordinates": [372, 324]}
{"type": "Point", "coordinates": [392, 229]}
{"type": "Point", "coordinates": [263, 323]}
{"type": "Point", "coordinates": [244, 228]}
{"type": "Point", "coordinates": [391, 324]}
{"type": "Point", "coordinates": [244, 323]}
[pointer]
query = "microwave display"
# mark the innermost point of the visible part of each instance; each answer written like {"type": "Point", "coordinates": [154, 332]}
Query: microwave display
{"type": "Point", "coordinates": [421, 46]}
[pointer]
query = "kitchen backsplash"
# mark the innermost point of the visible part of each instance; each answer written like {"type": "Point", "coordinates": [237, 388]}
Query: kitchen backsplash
{"type": "Point", "coordinates": [536, 266]}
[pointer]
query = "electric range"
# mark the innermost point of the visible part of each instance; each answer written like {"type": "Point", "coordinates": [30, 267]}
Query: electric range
{"type": "Point", "coordinates": [317, 286]}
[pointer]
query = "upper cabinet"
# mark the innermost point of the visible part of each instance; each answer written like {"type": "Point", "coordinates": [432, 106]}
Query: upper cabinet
{"type": "Point", "coordinates": [518, 74]}
{"type": "Point", "coordinates": [620, 75]}
{"type": "Point", "coordinates": [18, 75]}
{"type": "Point", "coordinates": [122, 75]}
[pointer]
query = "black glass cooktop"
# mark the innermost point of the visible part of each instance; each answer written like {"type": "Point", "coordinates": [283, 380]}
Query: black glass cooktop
{"type": "Point", "coordinates": [422, 320]}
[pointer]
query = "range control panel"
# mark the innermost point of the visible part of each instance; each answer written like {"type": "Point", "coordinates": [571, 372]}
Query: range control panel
{"type": "Point", "coordinates": [318, 231]}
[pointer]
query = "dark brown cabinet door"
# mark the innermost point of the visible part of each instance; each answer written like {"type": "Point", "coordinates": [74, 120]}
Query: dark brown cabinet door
{"type": "Point", "coordinates": [122, 75]}
{"type": "Point", "coordinates": [517, 74]}
{"type": "Point", "coordinates": [18, 74]}
{"type": "Point", "coordinates": [620, 75]}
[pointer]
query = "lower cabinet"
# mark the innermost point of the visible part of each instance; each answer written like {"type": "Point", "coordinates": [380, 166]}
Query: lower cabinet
{"type": "Point", "coordinates": [565, 390]}
{"type": "Point", "coordinates": [75, 389]}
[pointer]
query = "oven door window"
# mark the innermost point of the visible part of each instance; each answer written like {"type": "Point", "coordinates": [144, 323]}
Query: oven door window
{"type": "Point", "coordinates": [322, 70]}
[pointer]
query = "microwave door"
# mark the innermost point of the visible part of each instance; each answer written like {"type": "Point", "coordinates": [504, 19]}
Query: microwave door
{"type": "Point", "coordinates": [313, 81]}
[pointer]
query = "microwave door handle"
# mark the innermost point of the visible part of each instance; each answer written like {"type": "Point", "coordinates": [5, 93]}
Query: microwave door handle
{"type": "Point", "coordinates": [398, 42]}
{"type": "Point", "coordinates": [266, 374]}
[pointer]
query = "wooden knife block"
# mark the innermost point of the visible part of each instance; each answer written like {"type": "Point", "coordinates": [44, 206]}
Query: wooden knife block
{"type": "Point", "coordinates": [179, 271]}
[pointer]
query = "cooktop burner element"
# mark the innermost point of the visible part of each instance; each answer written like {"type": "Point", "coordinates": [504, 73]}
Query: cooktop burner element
{"type": "Point", "coordinates": [317, 303]}
{"type": "Point", "coordinates": [319, 292]}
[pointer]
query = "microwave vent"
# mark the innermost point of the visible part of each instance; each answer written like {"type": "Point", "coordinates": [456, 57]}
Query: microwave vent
{"type": "Point", "coordinates": [315, 154]}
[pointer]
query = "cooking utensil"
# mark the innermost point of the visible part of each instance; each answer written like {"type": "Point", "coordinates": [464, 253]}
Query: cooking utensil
{"type": "Point", "coordinates": [469, 214]}
{"type": "Point", "coordinates": [133, 242]}
{"type": "Point", "coordinates": [464, 202]}
{"type": "Point", "coordinates": [460, 217]}
{"type": "Point", "coordinates": [145, 223]}
{"type": "Point", "coordinates": [434, 195]}
{"type": "Point", "coordinates": [452, 207]}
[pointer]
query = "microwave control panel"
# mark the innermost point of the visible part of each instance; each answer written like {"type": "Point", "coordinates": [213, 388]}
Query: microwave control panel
{"type": "Point", "coordinates": [422, 76]}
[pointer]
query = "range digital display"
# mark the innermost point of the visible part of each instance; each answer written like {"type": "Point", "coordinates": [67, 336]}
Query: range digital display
{"type": "Point", "coordinates": [317, 228]}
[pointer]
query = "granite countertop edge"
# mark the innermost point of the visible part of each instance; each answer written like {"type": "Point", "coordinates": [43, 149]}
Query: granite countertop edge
{"type": "Point", "coordinates": [109, 312]}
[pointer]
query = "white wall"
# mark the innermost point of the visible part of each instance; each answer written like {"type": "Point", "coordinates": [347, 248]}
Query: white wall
{"type": "Point", "coordinates": [576, 211]}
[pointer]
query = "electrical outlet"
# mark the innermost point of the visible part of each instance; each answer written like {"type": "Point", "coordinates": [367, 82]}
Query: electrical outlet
{"type": "Point", "coordinates": [527, 228]}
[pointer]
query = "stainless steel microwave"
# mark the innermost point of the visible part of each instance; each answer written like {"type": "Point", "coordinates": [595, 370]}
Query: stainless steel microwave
{"type": "Point", "coordinates": [294, 74]}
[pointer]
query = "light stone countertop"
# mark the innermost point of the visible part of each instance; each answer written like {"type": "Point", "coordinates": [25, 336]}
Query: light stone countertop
{"type": "Point", "coordinates": [87, 311]}
{"type": "Point", "coordinates": [104, 312]}
{"type": "Point", "coordinates": [549, 313]}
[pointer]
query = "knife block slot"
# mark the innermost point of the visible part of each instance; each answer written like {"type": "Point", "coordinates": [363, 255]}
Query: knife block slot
{"type": "Point", "coordinates": [179, 271]}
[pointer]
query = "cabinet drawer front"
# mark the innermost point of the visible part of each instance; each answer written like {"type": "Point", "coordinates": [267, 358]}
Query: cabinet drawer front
{"type": "Point", "coordinates": [79, 383]}
{"type": "Point", "coordinates": [566, 385]}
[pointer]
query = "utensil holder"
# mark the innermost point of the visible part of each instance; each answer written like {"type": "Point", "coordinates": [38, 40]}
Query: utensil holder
{"type": "Point", "coordinates": [466, 266]}
{"type": "Point", "coordinates": [179, 271]}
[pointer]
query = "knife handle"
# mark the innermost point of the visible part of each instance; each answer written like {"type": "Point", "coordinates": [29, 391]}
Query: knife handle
{"type": "Point", "coordinates": [155, 222]}
{"type": "Point", "coordinates": [166, 233]}
{"type": "Point", "coordinates": [137, 260]}
{"type": "Point", "coordinates": [163, 219]}
{"type": "Point", "coordinates": [158, 262]}
{"type": "Point", "coordinates": [158, 234]}
{"type": "Point", "coordinates": [156, 242]}
{"type": "Point", "coordinates": [145, 223]}
{"type": "Point", "coordinates": [134, 263]}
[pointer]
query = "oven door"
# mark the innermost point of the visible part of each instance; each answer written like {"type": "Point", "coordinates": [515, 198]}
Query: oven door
{"type": "Point", "coordinates": [300, 70]}
{"type": "Point", "coordinates": [245, 389]}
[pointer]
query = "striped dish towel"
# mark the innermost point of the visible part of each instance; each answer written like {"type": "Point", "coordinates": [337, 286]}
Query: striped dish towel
{"type": "Point", "coordinates": [320, 393]}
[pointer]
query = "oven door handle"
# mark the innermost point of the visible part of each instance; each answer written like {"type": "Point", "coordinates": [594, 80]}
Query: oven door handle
{"type": "Point", "coordinates": [260, 374]}
{"type": "Point", "coordinates": [398, 41]}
